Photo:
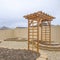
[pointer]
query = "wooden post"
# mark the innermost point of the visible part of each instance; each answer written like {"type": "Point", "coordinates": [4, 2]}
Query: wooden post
{"type": "Point", "coordinates": [50, 32]}
{"type": "Point", "coordinates": [45, 33]}
{"type": "Point", "coordinates": [37, 36]}
{"type": "Point", "coordinates": [32, 34]}
{"type": "Point", "coordinates": [41, 28]}
{"type": "Point", "coordinates": [28, 34]}
{"type": "Point", "coordinates": [49, 23]}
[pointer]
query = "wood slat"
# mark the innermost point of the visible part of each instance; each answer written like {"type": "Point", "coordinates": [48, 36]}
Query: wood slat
{"type": "Point", "coordinates": [39, 15]}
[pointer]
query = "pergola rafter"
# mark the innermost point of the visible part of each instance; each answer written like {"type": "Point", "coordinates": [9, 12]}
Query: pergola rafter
{"type": "Point", "coordinates": [39, 15]}
{"type": "Point", "coordinates": [36, 20]}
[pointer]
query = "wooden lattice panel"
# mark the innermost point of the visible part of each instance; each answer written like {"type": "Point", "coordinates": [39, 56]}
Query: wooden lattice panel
{"type": "Point", "coordinates": [46, 32]}
{"type": "Point", "coordinates": [32, 35]}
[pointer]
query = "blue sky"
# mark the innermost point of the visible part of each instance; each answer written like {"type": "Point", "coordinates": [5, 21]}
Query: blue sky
{"type": "Point", "coordinates": [12, 11]}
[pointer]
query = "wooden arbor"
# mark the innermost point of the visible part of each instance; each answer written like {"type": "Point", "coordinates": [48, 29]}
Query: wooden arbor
{"type": "Point", "coordinates": [36, 20]}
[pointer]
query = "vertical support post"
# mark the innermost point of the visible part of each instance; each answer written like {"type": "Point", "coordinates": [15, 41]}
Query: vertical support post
{"type": "Point", "coordinates": [37, 36]}
{"type": "Point", "coordinates": [32, 34]}
{"type": "Point", "coordinates": [41, 31]}
{"type": "Point", "coordinates": [28, 34]}
{"type": "Point", "coordinates": [50, 32]}
{"type": "Point", "coordinates": [45, 33]}
{"type": "Point", "coordinates": [49, 23]}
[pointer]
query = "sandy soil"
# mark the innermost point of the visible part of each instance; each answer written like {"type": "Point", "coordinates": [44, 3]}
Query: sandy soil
{"type": "Point", "coordinates": [20, 45]}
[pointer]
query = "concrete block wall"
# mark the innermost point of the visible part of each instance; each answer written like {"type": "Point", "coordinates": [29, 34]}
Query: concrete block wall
{"type": "Point", "coordinates": [55, 33]}
{"type": "Point", "coordinates": [23, 33]}
{"type": "Point", "coordinates": [4, 34]}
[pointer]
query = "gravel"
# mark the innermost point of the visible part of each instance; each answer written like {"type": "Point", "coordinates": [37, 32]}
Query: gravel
{"type": "Point", "coordinates": [17, 54]}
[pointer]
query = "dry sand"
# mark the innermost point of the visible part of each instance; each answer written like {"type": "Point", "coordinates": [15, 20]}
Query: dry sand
{"type": "Point", "coordinates": [20, 45]}
{"type": "Point", "coordinates": [44, 54]}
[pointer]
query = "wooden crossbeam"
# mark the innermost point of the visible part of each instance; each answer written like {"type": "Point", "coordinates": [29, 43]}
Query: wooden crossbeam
{"type": "Point", "coordinates": [40, 15]}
